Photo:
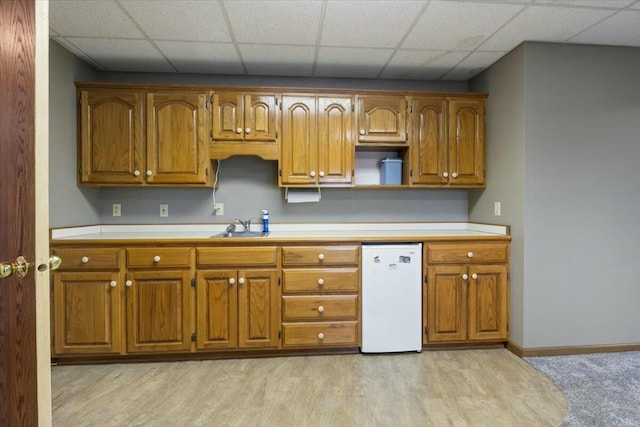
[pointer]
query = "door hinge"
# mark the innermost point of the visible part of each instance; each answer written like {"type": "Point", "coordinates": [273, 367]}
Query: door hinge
{"type": "Point", "coordinates": [280, 172]}
{"type": "Point", "coordinates": [276, 98]}
{"type": "Point", "coordinates": [426, 330]}
{"type": "Point", "coordinates": [193, 282]}
{"type": "Point", "coordinates": [353, 108]}
{"type": "Point", "coordinates": [411, 173]}
{"type": "Point", "coordinates": [411, 109]}
{"type": "Point", "coordinates": [193, 337]}
{"type": "Point", "coordinates": [279, 280]}
{"type": "Point", "coordinates": [276, 134]}
{"type": "Point", "coordinates": [426, 278]}
{"type": "Point", "coordinates": [206, 171]}
{"type": "Point", "coordinates": [280, 334]}
{"type": "Point", "coordinates": [79, 171]}
{"type": "Point", "coordinates": [211, 134]}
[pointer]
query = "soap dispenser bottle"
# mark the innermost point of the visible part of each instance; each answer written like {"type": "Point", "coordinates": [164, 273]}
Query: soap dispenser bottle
{"type": "Point", "coordinates": [265, 221]}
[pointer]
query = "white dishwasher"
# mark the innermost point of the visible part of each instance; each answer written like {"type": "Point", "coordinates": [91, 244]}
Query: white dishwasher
{"type": "Point", "coordinates": [391, 298]}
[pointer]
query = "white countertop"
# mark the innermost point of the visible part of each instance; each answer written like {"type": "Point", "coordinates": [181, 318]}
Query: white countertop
{"type": "Point", "coordinates": [355, 231]}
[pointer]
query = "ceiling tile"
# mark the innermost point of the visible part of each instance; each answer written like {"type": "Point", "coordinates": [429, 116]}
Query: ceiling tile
{"type": "Point", "coordinates": [636, 5]}
{"type": "Point", "coordinates": [91, 18]}
{"type": "Point", "coordinates": [351, 62]}
{"type": "Point", "coordinates": [123, 55]}
{"type": "Point", "coordinates": [473, 23]}
{"type": "Point", "coordinates": [275, 22]}
{"type": "Point", "coordinates": [422, 64]}
{"type": "Point", "coordinates": [278, 60]}
{"type": "Point", "coordinates": [541, 23]}
{"type": "Point", "coordinates": [179, 20]}
{"type": "Point", "coordinates": [200, 57]}
{"type": "Point", "coordinates": [378, 24]}
{"type": "Point", "coordinates": [588, 3]}
{"type": "Point", "coordinates": [622, 29]}
{"type": "Point", "coordinates": [472, 65]}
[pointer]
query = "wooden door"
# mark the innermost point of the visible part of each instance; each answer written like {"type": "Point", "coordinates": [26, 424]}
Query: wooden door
{"type": "Point", "coordinates": [87, 312]}
{"type": "Point", "coordinates": [488, 302]}
{"type": "Point", "coordinates": [217, 311]}
{"type": "Point", "coordinates": [382, 119]}
{"type": "Point", "coordinates": [335, 139]}
{"type": "Point", "coordinates": [228, 116]}
{"type": "Point", "coordinates": [260, 117]}
{"type": "Point", "coordinates": [258, 308]}
{"type": "Point", "coordinates": [177, 151]}
{"type": "Point", "coordinates": [466, 141]}
{"type": "Point", "coordinates": [299, 144]}
{"type": "Point", "coordinates": [112, 150]}
{"type": "Point", "coordinates": [446, 304]}
{"type": "Point", "coordinates": [158, 311]}
{"type": "Point", "coordinates": [429, 154]}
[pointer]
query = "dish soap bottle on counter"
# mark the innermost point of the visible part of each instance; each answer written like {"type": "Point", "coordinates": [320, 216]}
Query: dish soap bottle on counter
{"type": "Point", "coordinates": [265, 221]}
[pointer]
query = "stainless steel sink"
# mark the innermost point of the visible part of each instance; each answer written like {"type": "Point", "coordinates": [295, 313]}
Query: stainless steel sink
{"type": "Point", "coordinates": [239, 234]}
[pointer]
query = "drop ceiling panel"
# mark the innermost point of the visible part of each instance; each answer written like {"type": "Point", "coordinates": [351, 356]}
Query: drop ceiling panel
{"type": "Point", "coordinates": [200, 57]}
{"type": "Point", "coordinates": [275, 22]}
{"type": "Point", "coordinates": [279, 60]}
{"type": "Point", "coordinates": [622, 29]}
{"type": "Point", "coordinates": [473, 65]}
{"type": "Point", "coordinates": [184, 20]}
{"type": "Point", "coordinates": [124, 55]}
{"type": "Point", "coordinates": [351, 62]}
{"type": "Point", "coordinates": [543, 23]}
{"type": "Point", "coordinates": [588, 3]}
{"type": "Point", "coordinates": [473, 24]}
{"type": "Point", "coordinates": [376, 24]}
{"type": "Point", "coordinates": [91, 18]}
{"type": "Point", "coordinates": [421, 64]}
{"type": "Point", "coordinates": [636, 5]}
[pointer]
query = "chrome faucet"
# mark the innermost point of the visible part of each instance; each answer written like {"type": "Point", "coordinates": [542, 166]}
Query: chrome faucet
{"type": "Point", "coordinates": [246, 224]}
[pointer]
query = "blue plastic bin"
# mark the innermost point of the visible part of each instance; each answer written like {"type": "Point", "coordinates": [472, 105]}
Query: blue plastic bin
{"type": "Point", "coordinates": [390, 171]}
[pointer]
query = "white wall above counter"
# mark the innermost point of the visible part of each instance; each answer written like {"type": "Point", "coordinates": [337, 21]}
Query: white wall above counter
{"type": "Point", "coordinates": [290, 231]}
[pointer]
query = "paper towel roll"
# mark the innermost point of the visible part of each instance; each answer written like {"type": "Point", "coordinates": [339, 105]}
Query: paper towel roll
{"type": "Point", "coordinates": [302, 195]}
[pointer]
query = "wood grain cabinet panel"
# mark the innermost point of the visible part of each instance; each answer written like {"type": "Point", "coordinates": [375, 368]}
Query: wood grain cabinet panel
{"type": "Point", "coordinates": [466, 141]}
{"type": "Point", "coordinates": [217, 310]}
{"type": "Point", "coordinates": [488, 303]}
{"type": "Point", "coordinates": [88, 258]}
{"type": "Point", "coordinates": [468, 253]}
{"type": "Point", "coordinates": [159, 257]}
{"type": "Point", "coordinates": [245, 256]}
{"type": "Point", "coordinates": [258, 309]}
{"type": "Point", "coordinates": [446, 304]}
{"type": "Point", "coordinates": [319, 307]}
{"type": "Point", "coordinates": [382, 119]}
{"type": "Point", "coordinates": [319, 280]}
{"type": "Point", "coordinates": [429, 147]}
{"type": "Point", "coordinates": [320, 255]}
{"type": "Point", "coordinates": [320, 334]}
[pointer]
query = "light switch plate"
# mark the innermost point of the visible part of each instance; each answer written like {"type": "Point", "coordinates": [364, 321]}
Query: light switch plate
{"type": "Point", "coordinates": [164, 210]}
{"type": "Point", "coordinates": [219, 209]}
{"type": "Point", "coordinates": [497, 208]}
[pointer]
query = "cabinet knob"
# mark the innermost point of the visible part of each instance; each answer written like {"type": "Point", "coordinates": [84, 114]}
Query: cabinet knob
{"type": "Point", "coordinates": [156, 258]}
{"type": "Point", "coordinates": [321, 174]}
{"type": "Point", "coordinates": [232, 280]}
{"type": "Point", "coordinates": [247, 130]}
{"type": "Point", "coordinates": [465, 277]}
{"type": "Point", "coordinates": [469, 254]}
{"type": "Point", "coordinates": [239, 130]}
{"type": "Point", "coordinates": [149, 173]}
{"type": "Point", "coordinates": [362, 132]}
{"type": "Point", "coordinates": [136, 172]}
{"type": "Point", "coordinates": [320, 282]}
{"type": "Point", "coordinates": [320, 309]}
{"type": "Point", "coordinates": [128, 283]}
{"type": "Point", "coordinates": [241, 280]}
{"type": "Point", "coordinates": [445, 174]}
{"type": "Point", "coordinates": [320, 335]}
{"type": "Point", "coordinates": [85, 259]}
{"type": "Point", "coordinates": [113, 284]}
{"type": "Point", "coordinates": [454, 175]}
{"type": "Point", "coordinates": [320, 257]}
{"type": "Point", "coordinates": [474, 276]}
{"type": "Point", "coordinates": [312, 174]}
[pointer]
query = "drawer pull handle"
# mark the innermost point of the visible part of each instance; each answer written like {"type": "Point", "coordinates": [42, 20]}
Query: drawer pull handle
{"type": "Point", "coordinates": [113, 284]}
{"type": "Point", "coordinates": [85, 259]}
{"type": "Point", "coordinates": [454, 175]}
{"type": "Point", "coordinates": [320, 335]}
{"type": "Point", "coordinates": [474, 276]}
{"type": "Point", "coordinates": [241, 280]}
{"type": "Point", "coordinates": [320, 282]}
{"type": "Point", "coordinates": [465, 277]}
{"type": "Point", "coordinates": [312, 174]}
{"type": "Point", "coordinates": [321, 174]}
{"type": "Point", "coordinates": [232, 281]}
{"type": "Point", "coordinates": [320, 309]}
{"type": "Point", "coordinates": [156, 258]}
{"type": "Point", "coordinates": [320, 257]}
{"type": "Point", "coordinates": [362, 132]}
{"type": "Point", "coordinates": [149, 173]}
{"type": "Point", "coordinates": [128, 283]}
{"type": "Point", "coordinates": [470, 254]}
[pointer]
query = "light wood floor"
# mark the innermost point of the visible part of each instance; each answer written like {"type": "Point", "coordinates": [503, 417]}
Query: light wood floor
{"type": "Point", "coordinates": [432, 388]}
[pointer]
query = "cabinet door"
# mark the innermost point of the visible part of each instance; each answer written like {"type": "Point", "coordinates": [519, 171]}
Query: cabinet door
{"type": "Point", "coordinates": [228, 124]}
{"type": "Point", "coordinates": [335, 139]}
{"type": "Point", "coordinates": [298, 160]}
{"type": "Point", "coordinates": [258, 308]}
{"type": "Point", "coordinates": [176, 148]}
{"type": "Point", "coordinates": [466, 141]}
{"type": "Point", "coordinates": [260, 117]}
{"type": "Point", "coordinates": [158, 310]}
{"type": "Point", "coordinates": [446, 302]}
{"type": "Point", "coordinates": [429, 143]}
{"type": "Point", "coordinates": [382, 119]}
{"type": "Point", "coordinates": [87, 312]}
{"type": "Point", "coordinates": [217, 311]}
{"type": "Point", "coordinates": [488, 302]}
{"type": "Point", "coordinates": [111, 144]}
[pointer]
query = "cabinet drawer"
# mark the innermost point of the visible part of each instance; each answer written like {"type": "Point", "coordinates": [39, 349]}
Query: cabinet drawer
{"type": "Point", "coordinates": [320, 307]}
{"type": "Point", "coordinates": [468, 253]}
{"type": "Point", "coordinates": [237, 256]}
{"type": "Point", "coordinates": [88, 258]}
{"type": "Point", "coordinates": [320, 334]}
{"type": "Point", "coordinates": [159, 257]}
{"type": "Point", "coordinates": [320, 255]}
{"type": "Point", "coordinates": [320, 280]}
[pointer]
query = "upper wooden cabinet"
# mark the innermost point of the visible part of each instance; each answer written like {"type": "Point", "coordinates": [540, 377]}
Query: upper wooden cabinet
{"type": "Point", "coordinates": [429, 147]}
{"type": "Point", "coordinates": [317, 140]}
{"type": "Point", "coordinates": [382, 119]}
{"type": "Point", "coordinates": [466, 141]}
{"type": "Point", "coordinates": [114, 149]}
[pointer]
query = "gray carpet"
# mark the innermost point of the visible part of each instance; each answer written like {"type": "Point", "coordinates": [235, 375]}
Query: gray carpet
{"type": "Point", "coordinates": [602, 390]}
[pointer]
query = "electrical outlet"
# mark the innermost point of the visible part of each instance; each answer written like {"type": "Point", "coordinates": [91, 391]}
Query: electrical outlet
{"type": "Point", "coordinates": [164, 210]}
{"type": "Point", "coordinates": [219, 209]}
{"type": "Point", "coordinates": [497, 208]}
{"type": "Point", "coordinates": [117, 209]}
